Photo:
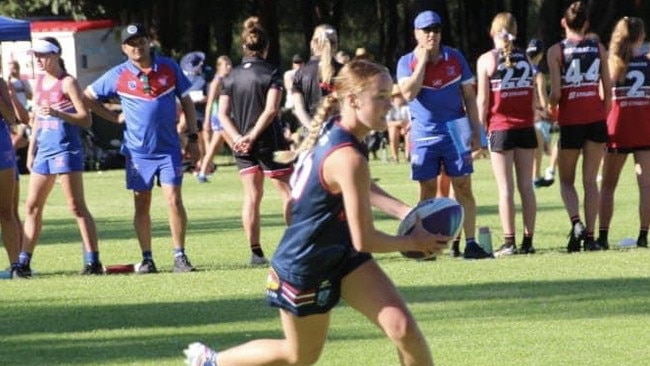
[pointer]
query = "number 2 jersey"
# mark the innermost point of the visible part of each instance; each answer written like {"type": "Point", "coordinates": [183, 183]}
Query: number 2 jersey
{"type": "Point", "coordinates": [511, 93]}
{"type": "Point", "coordinates": [580, 102]}
{"type": "Point", "coordinates": [628, 123]}
{"type": "Point", "coordinates": [317, 243]}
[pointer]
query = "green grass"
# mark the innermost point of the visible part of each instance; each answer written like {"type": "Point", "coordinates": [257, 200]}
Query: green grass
{"type": "Point", "coordinates": [547, 309]}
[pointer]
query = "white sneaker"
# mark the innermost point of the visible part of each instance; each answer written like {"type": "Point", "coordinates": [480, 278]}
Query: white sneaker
{"type": "Point", "coordinates": [198, 354]}
{"type": "Point", "coordinates": [549, 174]}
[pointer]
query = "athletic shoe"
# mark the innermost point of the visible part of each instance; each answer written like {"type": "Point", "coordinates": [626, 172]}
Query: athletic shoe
{"type": "Point", "coordinates": [474, 251]}
{"type": "Point", "coordinates": [24, 270]}
{"type": "Point", "coordinates": [257, 260]}
{"type": "Point", "coordinates": [198, 354]}
{"type": "Point", "coordinates": [202, 178]}
{"type": "Point", "coordinates": [526, 249]}
{"type": "Point", "coordinates": [538, 182]}
{"type": "Point", "coordinates": [590, 245]}
{"type": "Point", "coordinates": [455, 250]}
{"type": "Point", "coordinates": [147, 266]}
{"type": "Point", "coordinates": [576, 236]}
{"type": "Point", "coordinates": [549, 174]}
{"type": "Point", "coordinates": [642, 242]}
{"type": "Point", "coordinates": [604, 245]}
{"type": "Point", "coordinates": [505, 250]}
{"type": "Point", "coordinates": [546, 182]}
{"type": "Point", "coordinates": [92, 269]}
{"type": "Point", "coordinates": [21, 272]}
{"type": "Point", "coordinates": [182, 264]}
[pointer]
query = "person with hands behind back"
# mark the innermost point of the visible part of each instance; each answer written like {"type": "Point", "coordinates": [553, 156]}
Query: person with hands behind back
{"type": "Point", "coordinates": [438, 83]}
{"type": "Point", "coordinates": [248, 109]}
{"type": "Point", "coordinates": [325, 253]}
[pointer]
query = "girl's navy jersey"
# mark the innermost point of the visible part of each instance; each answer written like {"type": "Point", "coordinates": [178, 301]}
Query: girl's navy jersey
{"type": "Point", "coordinates": [247, 86]}
{"type": "Point", "coordinates": [628, 123]}
{"type": "Point", "coordinates": [580, 101]}
{"type": "Point", "coordinates": [512, 91]}
{"type": "Point", "coordinates": [317, 242]}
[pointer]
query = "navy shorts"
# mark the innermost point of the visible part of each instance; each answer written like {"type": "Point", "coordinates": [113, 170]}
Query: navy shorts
{"type": "Point", "coordinates": [520, 138]}
{"type": "Point", "coordinates": [141, 171]}
{"type": "Point", "coordinates": [574, 137]}
{"type": "Point", "coordinates": [318, 298]}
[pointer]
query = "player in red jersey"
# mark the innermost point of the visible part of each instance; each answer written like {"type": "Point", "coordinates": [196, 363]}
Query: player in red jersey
{"type": "Point", "coordinates": [628, 123]}
{"type": "Point", "coordinates": [578, 75]}
{"type": "Point", "coordinates": [505, 104]}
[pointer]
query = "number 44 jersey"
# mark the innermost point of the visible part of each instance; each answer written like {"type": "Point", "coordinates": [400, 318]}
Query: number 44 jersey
{"type": "Point", "coordinates": [580, 102]}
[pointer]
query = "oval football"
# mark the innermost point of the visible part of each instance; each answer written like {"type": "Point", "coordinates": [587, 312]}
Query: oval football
{"type": "Point", "coordinates": [439, 216]}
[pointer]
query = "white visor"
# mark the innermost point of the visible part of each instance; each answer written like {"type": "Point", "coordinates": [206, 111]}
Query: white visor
{"type": "Point", "coordinates": [43, 46]}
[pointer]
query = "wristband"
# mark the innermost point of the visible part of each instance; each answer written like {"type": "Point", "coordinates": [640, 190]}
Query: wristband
{"type": "Point", "coordinates": [239, 137]}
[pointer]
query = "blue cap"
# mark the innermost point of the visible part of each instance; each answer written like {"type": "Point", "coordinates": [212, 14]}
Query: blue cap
{"type": "Point", "coordinates": [426, 19]}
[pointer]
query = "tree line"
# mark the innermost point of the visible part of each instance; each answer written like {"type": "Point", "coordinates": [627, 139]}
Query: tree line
{"type": "Point", "coordinates": [383, 27]}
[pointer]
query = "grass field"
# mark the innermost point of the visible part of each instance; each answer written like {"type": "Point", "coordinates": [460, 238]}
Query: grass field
{"type": "Point", "coordinates": [550, 308]}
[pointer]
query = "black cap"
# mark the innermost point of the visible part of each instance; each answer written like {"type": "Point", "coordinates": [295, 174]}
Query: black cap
{"type": "Point", "coordinates": [297, 59]}
{"type": "Point", "coordinates": [133, 30]}
{"type": "Point", "coordinates": [535, 47]}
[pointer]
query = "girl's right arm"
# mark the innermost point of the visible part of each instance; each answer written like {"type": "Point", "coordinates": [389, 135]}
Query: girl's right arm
{"type": "Point", "coordinates": [345, 171]}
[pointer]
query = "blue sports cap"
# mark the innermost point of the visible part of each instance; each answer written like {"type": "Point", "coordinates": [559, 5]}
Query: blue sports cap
{"type": "Point", "coordinates": [426, 19]}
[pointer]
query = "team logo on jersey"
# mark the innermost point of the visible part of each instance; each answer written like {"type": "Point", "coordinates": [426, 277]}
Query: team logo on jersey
{"type": "Point", "coordinates": [131, 84]}
{"type": "Point", "coordinates": [324, 292]}
{"type": "Point", "coordinates": [163, 81]}
{"type": "Point", "coordinates": [451, 70]}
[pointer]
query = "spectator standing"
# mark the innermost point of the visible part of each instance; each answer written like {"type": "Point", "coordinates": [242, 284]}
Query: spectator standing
{"type": "Point", "coordinates": [9, 222]}
{"type": "Point", "coordinates": [213, 131]}
{"type": "Point", "coordinates": [628, 123]}
{"type": "Point", "coordinates": [398, 121]}
{"type": "Point", "coordinates": [248, 109]}
{"type": "Point", "coordinates": [147, 86]}
{"type": "Point", "coordinates": [439, 85]}
{"type": "Point", "coordinates": [578, 70]}
{"type": "Point", "coordinates": [55, 150]}
{"type": "Point", "coordinates": [22, 89]}
{"type": "Point", "coordinates": [505, 99]}
{"type": "Point", "coordinates": [314, 80]}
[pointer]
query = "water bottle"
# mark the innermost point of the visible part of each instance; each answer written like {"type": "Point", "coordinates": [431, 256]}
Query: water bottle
{"type": "Point", "coordinates": [485, 239]}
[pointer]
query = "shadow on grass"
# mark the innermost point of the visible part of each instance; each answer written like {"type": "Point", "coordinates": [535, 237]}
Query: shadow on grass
{"type": "Point", "coordinates": [65, 230]}
{"type": "Point", "coordinates": [107, 331]}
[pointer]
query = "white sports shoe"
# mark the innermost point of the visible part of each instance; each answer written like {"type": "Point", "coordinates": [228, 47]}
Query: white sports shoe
{"type": "Point", "coordinates": [198, 354]}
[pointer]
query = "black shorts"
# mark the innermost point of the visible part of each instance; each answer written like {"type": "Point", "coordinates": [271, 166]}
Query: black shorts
{"type": "Point", "coordinates": [520, 138]}
{"type": "Point", "coordinates": [574, 137]}
{"type": "Point", "coordinates": [626, 150]}
{"type": "Point", "coordinates": [262, 160]}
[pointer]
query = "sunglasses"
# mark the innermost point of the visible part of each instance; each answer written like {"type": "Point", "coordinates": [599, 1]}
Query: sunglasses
{"type": "Point", "coordinates": [432, 29]}
{"type": "Point", "coordinates": [146, 87]}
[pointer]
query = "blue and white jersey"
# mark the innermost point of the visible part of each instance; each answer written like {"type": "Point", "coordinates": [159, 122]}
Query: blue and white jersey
{"type": "Point", "coordinates": [148, 102]}
{"type": "Point", "coordinates": [318, 241]}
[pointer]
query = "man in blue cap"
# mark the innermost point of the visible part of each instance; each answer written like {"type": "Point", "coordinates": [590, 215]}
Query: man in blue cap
{"type": "Point", "coordinates": [439, 85]}
{"type": "Point", "coordinates": [147, 86]}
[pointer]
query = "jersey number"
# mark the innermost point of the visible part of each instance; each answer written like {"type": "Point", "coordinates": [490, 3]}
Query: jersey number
{"type": "Point", "coordinates": [301, 174]}
{"type": "Point", "coordinates": [524, 80]}
{"type": "Point", "coordinates": [638, 79]}
{"type": "Point", "coordinates": [574, 74]}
